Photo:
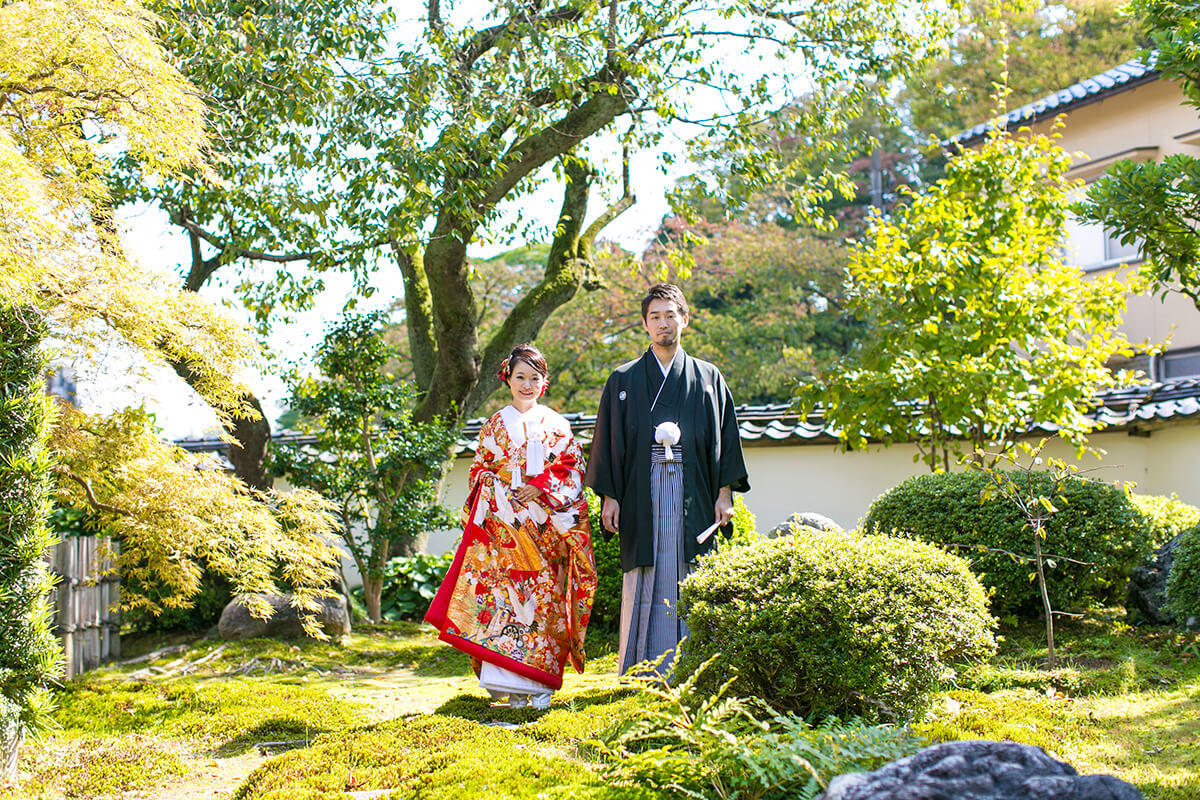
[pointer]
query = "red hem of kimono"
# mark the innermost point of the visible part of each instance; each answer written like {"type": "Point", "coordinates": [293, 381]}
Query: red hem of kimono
{"type": "Point", "coordinates": [436, 615]}
{"type": "Point", "coordinates": [492, 657]}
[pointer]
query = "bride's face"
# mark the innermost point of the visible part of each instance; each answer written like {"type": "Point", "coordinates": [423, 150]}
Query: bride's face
{"type": "Point", "coordinates": [526, 384]}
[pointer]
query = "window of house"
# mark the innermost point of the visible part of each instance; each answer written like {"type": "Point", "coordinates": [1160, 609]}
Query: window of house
{"type": "Point", "coordinates": [1179, 364]}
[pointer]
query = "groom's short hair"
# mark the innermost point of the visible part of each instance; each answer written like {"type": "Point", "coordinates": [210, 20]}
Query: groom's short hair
{"type": "Point", "coordinates": [665, 291]}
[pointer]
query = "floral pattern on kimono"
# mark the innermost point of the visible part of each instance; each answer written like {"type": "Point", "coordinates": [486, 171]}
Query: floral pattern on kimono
{"type": "Point", "coordinates": [519, 592]}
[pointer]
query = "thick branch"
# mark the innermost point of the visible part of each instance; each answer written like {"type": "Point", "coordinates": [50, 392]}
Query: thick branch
{"type": "Point", "coordinates": [91, 496]}
{"type": "Point", "coordinates": [418, 311]}
{"type": "Point", "coordinates": [184, 221]}
{"type": "Point", "coordinates": [561, 136]}
{"type": "Point", "coordinates": [566, 268]}
{"type": "Point", "coordinates": [486, 39]}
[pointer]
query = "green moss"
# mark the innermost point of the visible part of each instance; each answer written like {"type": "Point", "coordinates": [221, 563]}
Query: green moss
{"type": "Point", "coordinates": [1022, 716]}
{"type": "Point", "coordinates": [230, 713]}
{"type": "Point", "coordinates": [428, 756]}
{"type": "Point", "coordinates": [95, 766]}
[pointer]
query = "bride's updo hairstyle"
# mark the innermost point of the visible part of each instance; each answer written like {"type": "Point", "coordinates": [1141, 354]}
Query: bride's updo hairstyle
{"type": "Point", "coordinates": [530, 355]}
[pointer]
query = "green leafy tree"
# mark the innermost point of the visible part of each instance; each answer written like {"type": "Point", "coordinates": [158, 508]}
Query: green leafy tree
{"type": "Point", "coordinates": [379, 465]}
{"type": "Point", "coordinates": [29, 654]}
{"type": "Point", "coordinates": [764, 299]}
{"type": "Point", "coordinates": [1035, 49]}
{"type": "Point", "coordinates": [273, 75]}
{"type": "Point", "coordinates": [81, 82]}
{"type": "Point", "coordinates": [975, 325]}
{"type": "Point", "coordinates": [475, 107]}
{"type": "Point", "coordinates": [1157, 204]}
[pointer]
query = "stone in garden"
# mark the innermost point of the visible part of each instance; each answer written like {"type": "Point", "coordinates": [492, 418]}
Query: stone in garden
{"type": "Point", "coordinates": [1146, 594]}
{"type": "Point", "coordinates": [236, 622]}
{"type": "Point", "coordinates": [806, 519]}
{"type": "Point", "coordinates": [978, 770]}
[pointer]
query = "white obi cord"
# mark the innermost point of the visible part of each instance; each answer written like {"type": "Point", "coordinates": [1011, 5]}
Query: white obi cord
{"type": "Point", "coordinates": [667, 434]}
{"type": "Point", "coordinates": [525, 430]}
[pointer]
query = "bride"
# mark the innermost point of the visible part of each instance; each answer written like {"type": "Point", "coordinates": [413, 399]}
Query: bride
{"type": "Point", "coordinates": [519, 592]}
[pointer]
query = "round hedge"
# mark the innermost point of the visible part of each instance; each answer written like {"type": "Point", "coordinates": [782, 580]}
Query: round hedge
{"type": "Point", "coordinates": [829, 623]}
{"type": "Point", "coordinates": [1096, 523]}
{"type": "Point", "coordinates": [1183, 581]}
{"type": "Point", "coordinates": [606, 607]}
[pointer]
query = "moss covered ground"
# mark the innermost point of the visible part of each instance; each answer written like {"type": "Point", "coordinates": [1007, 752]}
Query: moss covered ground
{"type": "Point", "coordinates": [389, 708]}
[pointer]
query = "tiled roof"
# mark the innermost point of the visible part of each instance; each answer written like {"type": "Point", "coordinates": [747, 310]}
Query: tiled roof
{"type": "Point", "coordinates": [1134, 408]}
{"type": "Point", "coordinates": [1111, 81]}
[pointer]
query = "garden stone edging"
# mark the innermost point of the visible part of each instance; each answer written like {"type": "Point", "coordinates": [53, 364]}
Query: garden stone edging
{"type": "Point", "coordinates": [1146, 593]}
{"type": "Point", "coordinates": [978, 770]}
{"type": "Point", "coordinates": [236, 622]}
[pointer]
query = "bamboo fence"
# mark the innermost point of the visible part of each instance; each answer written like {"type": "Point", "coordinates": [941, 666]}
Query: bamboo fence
{"type": "Point", "coordinates": [87, 598]}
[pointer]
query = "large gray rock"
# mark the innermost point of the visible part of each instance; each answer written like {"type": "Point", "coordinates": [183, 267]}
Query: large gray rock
{"type": "Point", "coordinates": [237, 623]}
{"type": "Point", "coordinates": [978, 770]}
{"type": "Point", "coordinates": [1146, 594]}
{"type": "Point", "coordinates": [805, 519]}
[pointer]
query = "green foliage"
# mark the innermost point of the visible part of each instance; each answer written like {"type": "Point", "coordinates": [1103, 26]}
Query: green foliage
{"type": "Point", "coordinates": [1163, 517]}
{"type": "Point", "coordinates": [378, 464]}
{"type": "Point", "coordinates": [1035, 49]}
{"type": "Point", "coordinates": [1095, 523]}
{"type": "Point", "coordinates": [700, 745]}
{"type": "Point", "coordinates": [606, 607]}
{"type": "Point", "coordinates": [1156, 204]}
{"type": "Point", "coordinates": [1183, 581]}
{"type": "Point", "coordinates": [409, 584]}
{"type": "Point", "coordinates": [836, 624]}
{"type": "Point", "coordinates": [202, 612]}
{"type": "Point", "coordinates": [975, 325]}
{"type": "Point", "coordinates": [29, 653]}
{"type": "Point", "coordinates": [100, 766]}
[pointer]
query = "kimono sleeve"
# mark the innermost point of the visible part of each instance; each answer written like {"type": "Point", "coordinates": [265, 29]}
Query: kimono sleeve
{"type": "Point", "coordinates": [562, 482]}
{"type": "Point", "coordinates": [731, 471]}
{"type": "Point", "coordinates": [484, 466]}
{"type": "Point", "coordinates": [606, 461]}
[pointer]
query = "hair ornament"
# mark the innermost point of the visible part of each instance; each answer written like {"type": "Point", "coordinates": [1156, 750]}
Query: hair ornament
{"type": "Point", "coordinates": [504, 372]}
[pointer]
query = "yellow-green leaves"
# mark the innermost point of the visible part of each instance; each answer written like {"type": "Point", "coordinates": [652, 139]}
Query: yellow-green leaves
{"type": "Point", "coordinates": [978, 328]}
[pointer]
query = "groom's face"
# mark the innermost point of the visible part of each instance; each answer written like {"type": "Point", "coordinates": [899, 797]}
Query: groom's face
{"type": "Point", "coordinates": [664, 322]}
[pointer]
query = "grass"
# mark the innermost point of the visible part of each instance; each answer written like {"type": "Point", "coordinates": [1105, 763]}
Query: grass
{"type": "Point", "coordinates": [1120, 700]}
{"type": "Point", "coordinates": [391, 708]}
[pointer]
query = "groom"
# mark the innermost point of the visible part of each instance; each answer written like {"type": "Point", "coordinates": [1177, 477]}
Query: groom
{"type": "Point", "coordinates": [666, 458]}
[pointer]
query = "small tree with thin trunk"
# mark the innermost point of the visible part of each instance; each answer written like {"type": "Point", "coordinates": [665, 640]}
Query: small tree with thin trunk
{"type": "Point", "coordinates": [29, 655]}
{"type": "Point", "coordinates": [1036, 504]}
{"type": "Point", "coordinates": [371, 458]}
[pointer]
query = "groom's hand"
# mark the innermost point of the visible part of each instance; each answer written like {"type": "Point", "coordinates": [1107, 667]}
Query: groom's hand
{"type": "Point", "coordinates": [723, 508]}
{"type": "Point", "coordinates": [610, 514]}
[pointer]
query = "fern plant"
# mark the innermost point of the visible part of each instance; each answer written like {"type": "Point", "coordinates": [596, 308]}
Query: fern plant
{"type": "Point", "coordinates": [701, 745]}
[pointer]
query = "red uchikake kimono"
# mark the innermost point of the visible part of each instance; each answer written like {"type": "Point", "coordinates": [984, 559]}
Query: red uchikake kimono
{"type": "Point", "coordinates": [519, 592]}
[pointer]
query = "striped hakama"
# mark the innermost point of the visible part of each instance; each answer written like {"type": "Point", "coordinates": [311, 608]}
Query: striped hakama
{"type": "Point", "coordinates": [650, 626]}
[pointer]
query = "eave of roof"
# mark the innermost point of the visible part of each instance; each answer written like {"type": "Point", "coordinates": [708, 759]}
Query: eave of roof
{"type": "Point", "coordinates": [1090, 90]}
{"type": "Point", "coordinates": [1133, 409]}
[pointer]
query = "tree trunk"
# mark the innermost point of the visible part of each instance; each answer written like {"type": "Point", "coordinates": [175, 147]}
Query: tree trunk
{"type": "Point", "coordinates": [1041, 576]}
{"type": "Point", "coordinates": [372, 596]}
{"type": "Point", "coordinates": [252, 434]}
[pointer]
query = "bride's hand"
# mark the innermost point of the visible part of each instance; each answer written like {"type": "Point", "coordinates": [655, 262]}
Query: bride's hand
{"type": "Point", "coordinates": [527, 493]}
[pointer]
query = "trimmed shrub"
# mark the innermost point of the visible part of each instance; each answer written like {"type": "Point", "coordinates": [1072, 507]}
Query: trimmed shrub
{"type": "Point", "coordinates": [29, 654]}
{"type": "Point", "coordinates": [1096, 523]}
{"type": "Point", "coordinates": [829, 623]}
{"type": "Point", "coordinates": [1164, 517]}
{"type": "Point", "coordinates": [606, 608]}
{"type": "Point", "coordinates": [1183, 581]}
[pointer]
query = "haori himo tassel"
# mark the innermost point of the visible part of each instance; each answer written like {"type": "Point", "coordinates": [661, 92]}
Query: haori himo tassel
{"type": "Point", "coordinates": [667, 434]}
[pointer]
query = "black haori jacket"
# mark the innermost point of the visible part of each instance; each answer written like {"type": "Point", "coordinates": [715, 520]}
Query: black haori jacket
{"type": "Point", "coordinates": [696, 398]}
